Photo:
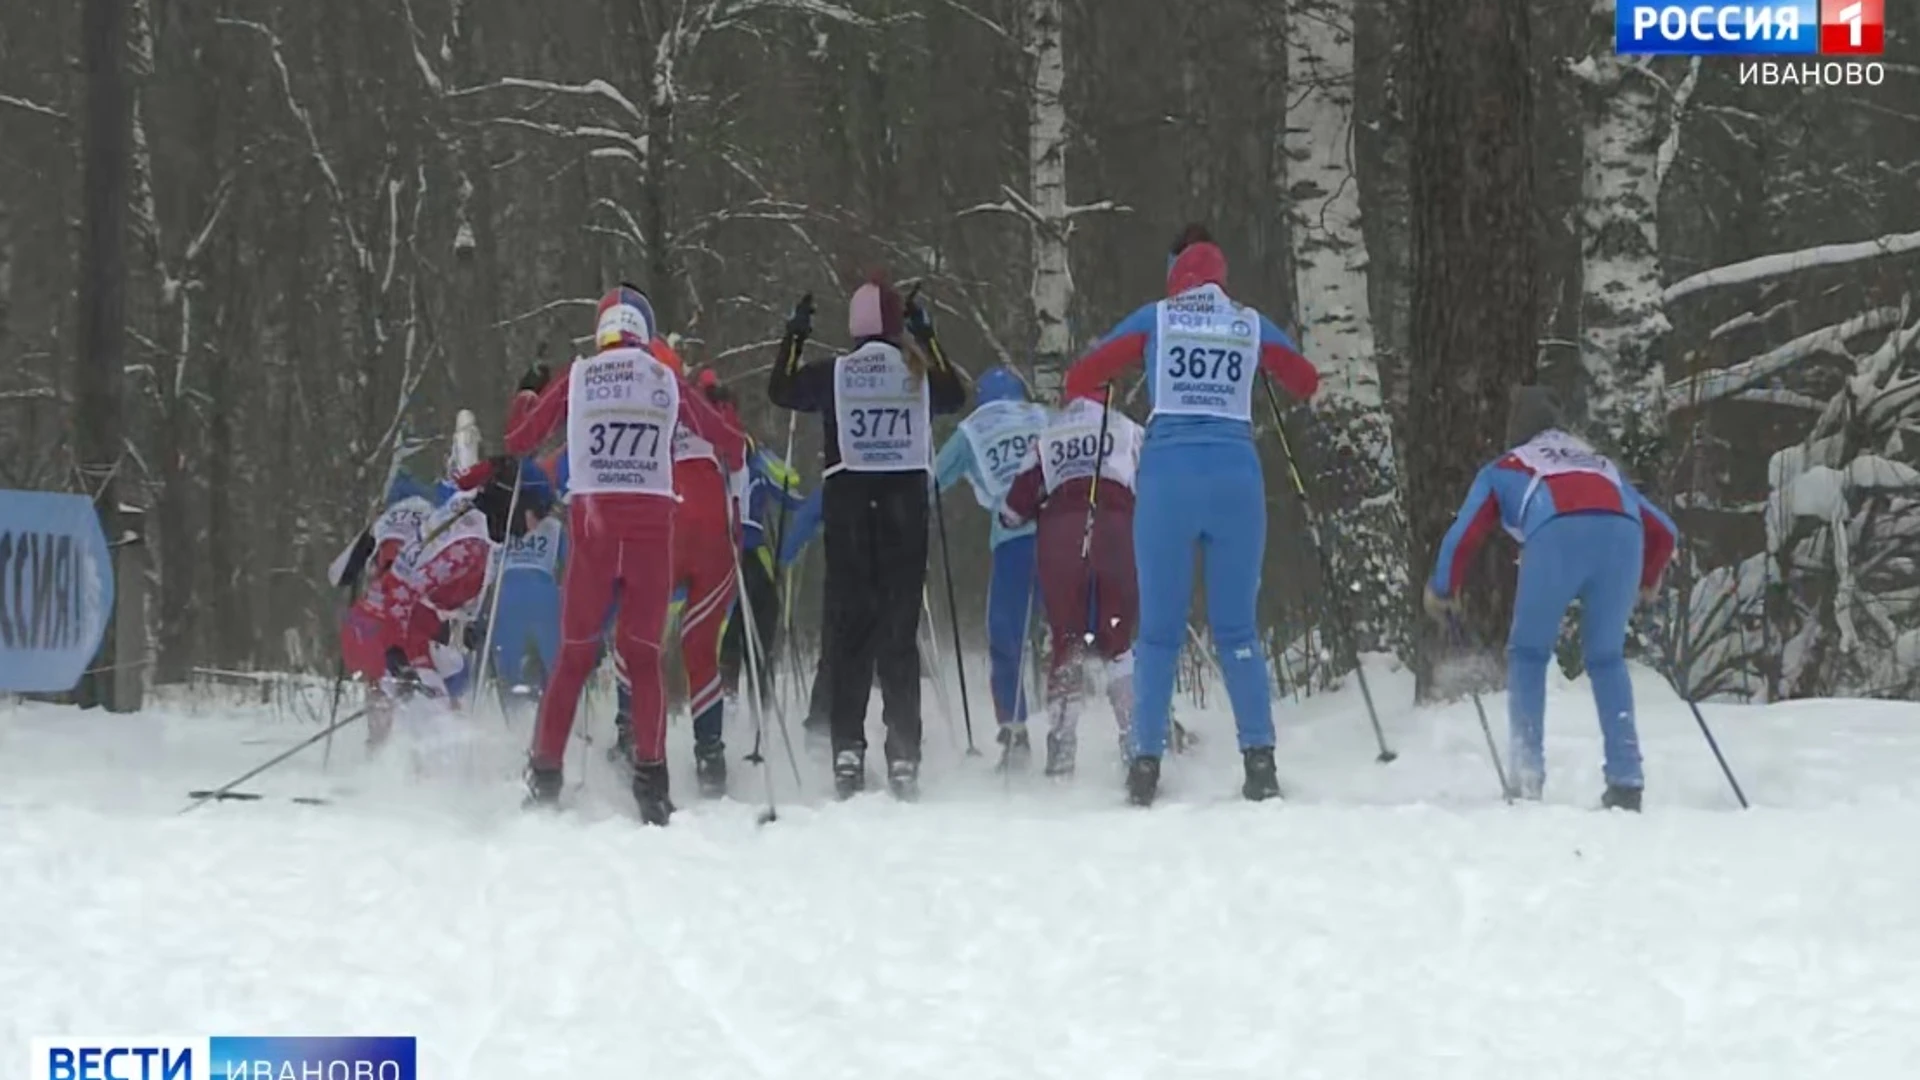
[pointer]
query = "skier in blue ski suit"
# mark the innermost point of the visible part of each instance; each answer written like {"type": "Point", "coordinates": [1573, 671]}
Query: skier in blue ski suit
{"type": "Point", "coordinates": [766, 494]}
{"type": "Point", "coordinates": [1585, 533]}
{"type": "Point", "coordinates": [529, 584]}
{"type": "Point", "coordinates": [1200, 484]}
{"type": "Point", "coordinates": [994, 444]}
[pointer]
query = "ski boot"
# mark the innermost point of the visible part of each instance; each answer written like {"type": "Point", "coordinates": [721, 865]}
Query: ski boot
{"type": "Point", "coordinates": [650, 792]}
{"type": "Point", "coordinates": [543, 787]}
{"type": "Point", "coordinates": [1061, 746]}
{"type": "Point", "coordinates": [903, 779]}
{"type": "Point", "coordinates": [1262, 783]}
{"type": "Point", "coordinates": [849, 774]}
{"type": "Point", "coordinates": [1016, 752]}
{"type": "Point", "coordinates": [1617, 797]}
{"type": "Point", "coordinates": [1143, 780]}
{"type": "Point", "coordinates": [1529, 786]}
{"type": "Point", "coordinates": [710, 769]}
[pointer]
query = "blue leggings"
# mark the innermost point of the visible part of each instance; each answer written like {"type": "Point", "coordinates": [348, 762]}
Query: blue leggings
{"type": "Point", "coordinates": [1212, 495]}
{"type": "Point", "coordinates": [1594, 558]}
{"type": "Point", "coordinates": [1011, 603]}
{"type": "Point", "coordinates": [529, 615]}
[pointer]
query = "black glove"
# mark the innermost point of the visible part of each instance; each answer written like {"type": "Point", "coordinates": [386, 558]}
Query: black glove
{"type": "Point", "coordinates": [475, 636]}
{"type": "Point", "coordinates": [800, 323]}
{"type": "Point", "coordinates": [919, 320]}
{"type": "Point", "coordinates": [536, 378]}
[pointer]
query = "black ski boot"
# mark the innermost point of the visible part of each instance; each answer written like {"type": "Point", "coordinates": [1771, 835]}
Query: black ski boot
{"type": "Point", "coordinates": [1617, 797]}
{"type": "Point", "coordinates": [650, 792]}
{"type": "Point", "coordinates": [1016, 751]}
{"type": "Point", "coordinates": [849, 774]}
{"type": "Point", "coordinates": [710, 769]}
{"type": "Point", "coordinates": [1262, 782]}
{"type": "Point", "coordinates": [1143, 780]}
{"type": "Point", "coordinates": [543, 787]}
{"type": "Point", "coordinates": [903, 779]}
{"type": "Point", "coordinates": [1061, 747]}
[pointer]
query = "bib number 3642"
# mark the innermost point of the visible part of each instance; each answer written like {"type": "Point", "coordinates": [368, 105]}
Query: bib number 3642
{"type": "Point", "coordinates": [623, 439]}
{"type": "Point", "coordinates": [1202, 362]}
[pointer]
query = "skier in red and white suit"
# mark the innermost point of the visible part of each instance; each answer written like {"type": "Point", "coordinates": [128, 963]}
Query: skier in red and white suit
{"type": "Point", "coordinates": [389, 634]}
{"type": "Point", "coordinates": [619, 409]}
{"type": "Point", "coordinates": [703, 545]}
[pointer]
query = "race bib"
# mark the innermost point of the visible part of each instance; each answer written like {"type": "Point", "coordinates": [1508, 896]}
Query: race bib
{"type": "Point", "coordinates": [884, 420]}
{"type": "Point", "coordinates": [1073, 446]}
{"type": "Point", "coordinates": [1005, 436]}
{"type": "Point", "coordinates": [449, 525]}
{"type": "Point", "coordinates": [538, 550]}
{"type": "Point", "coordinates": [402, 521]}
{"type": "Point", "coordinates": [1209, 354]}
{"type": "Point", "coordinates": [688, 446]}
{"type": "Point", "coordinates": [622, 406]}
{"type": "Point", "coordinates": [1554, 453]}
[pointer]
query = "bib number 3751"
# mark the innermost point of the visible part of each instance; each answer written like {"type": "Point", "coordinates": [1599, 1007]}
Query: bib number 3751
{"type": "Point", "coordinates": [1203, 362]}
{"type": "Point", "coordinates": [880, 423]}
{"type": "Point", "coordinates": [623, 439]}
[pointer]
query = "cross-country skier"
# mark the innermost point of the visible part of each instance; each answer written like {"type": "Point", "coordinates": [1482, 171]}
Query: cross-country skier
{"type": "Point", "coordinates": [408, 505]}
{"type": "Point", "coordinates": [1585, 533]}
{"type": "Point", "coordinates": [619, 409]}
{"type": "Point", "coordinates": [1200, 484]}
{"type": "Point", "coordinates": [397, 634]}
{"type": "Point", "coordinates": [876, 404]}
{"type": "Point", "coordinates": [994, 444]}
{"type": "Point", "coordinates": [766, 495]}
{"type": "Point", "coordinates": [1086, 559]}
{"type": "Point", "coordinates": [703, 553]}
{"type": "Point", "coordinates": [529, 604]}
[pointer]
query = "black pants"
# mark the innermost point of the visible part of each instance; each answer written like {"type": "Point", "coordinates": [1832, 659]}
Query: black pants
{"type": "Point", "coordinates": [764, 596]}
{"type": "Point", "coordinates": [876, 536]}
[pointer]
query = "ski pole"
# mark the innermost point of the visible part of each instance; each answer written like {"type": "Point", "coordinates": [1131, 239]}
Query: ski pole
{"type": "Point", "coordinates": [1334, 599]}
{"type": "Point", "coordinates": [210, 796]}
{"type": "Point", "coordinates": [493, 612]}
{"type": "Point", "coordinates": [929, 626]}
{"type": "Point", "coordinates": [953, 616]}
{"type": "Point", "coordinates": [1093, 503]}
{"type": "Point", "coordinates": [1459, 635]}
{"type": "Point", "coordinates": [750, 645]}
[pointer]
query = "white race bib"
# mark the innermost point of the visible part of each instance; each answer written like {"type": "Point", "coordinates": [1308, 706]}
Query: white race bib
{"type": "Point", "coordinates": [1072, 445]}
{"type": "Point", "coordinates": [402, 521]}
{"type": "Point", "coordinates": [885, 422]}
{"type": "Point", "coordinates": [622, 406]}
{"type": "Point", "coordinates": [1209, 355]}
{"type": "Point", "coordinates": [688, 446]}
{"type": "Point", "coordinates": [1553, 453]}
{"type": "Point", "coordinates": [538, 550]}
{"type": "Point", "coordinates": [1005, 436]}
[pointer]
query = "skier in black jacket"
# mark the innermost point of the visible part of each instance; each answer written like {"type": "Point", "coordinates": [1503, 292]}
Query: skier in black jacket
{"type": "Point", "coordinates": [876, 403]}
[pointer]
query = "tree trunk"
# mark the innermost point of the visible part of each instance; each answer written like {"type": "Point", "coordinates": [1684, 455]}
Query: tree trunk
{"type": "Point", "coordinates": [1051, 298]}
{"type": "Point", "coordinates": [1322, 195]}
{"type": "Point", "coordinates": [1474, 301]}
{"type": "Point", "coordinates": [105, 153]}
{"type": "Point", "coordinates": [1622, 379]}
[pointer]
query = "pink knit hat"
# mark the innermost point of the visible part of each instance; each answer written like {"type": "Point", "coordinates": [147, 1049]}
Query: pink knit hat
{"type": "Point", "coordinates": [876, 311]}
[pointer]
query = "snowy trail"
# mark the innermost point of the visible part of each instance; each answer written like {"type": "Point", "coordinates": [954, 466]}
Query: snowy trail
{"type": "Point", "coordinates": [1387, 921]}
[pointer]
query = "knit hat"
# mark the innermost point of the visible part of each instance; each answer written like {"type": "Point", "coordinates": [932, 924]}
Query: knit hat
{"type": "Point", "coordinates": [999, 383]}
{"type": "Point", "coordinates": [1530, 411]}
{"type": "Point", "coordinates": [1194, 260]}
{"type": "Point", "coordinates": [876, 311]}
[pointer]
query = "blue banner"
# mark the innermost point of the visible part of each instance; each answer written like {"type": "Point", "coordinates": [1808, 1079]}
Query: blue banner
{"type": "Point", "coordinates": [56, 590]}
{"type": "Point", "coordinates": [1715, 27]}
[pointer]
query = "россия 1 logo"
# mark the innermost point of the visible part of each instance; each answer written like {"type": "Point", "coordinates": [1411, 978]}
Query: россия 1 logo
{"type": "Point", "coordinates": [1754, 28]}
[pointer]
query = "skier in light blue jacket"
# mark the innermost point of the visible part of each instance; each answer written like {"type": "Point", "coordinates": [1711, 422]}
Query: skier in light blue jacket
{"type": "Point", "coordinates": [994, 444]}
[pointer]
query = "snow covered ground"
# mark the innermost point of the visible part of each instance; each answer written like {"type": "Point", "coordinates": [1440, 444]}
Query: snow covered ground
{"type": "Point", "coordinates": [1392, 921]}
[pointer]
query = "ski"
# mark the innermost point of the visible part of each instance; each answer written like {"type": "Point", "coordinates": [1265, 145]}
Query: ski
{"type": "Point", "coordinates": [254, 796]}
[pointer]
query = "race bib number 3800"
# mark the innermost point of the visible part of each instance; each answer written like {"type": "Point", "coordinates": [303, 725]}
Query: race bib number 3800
{"type": "Point", "coordinates": [620, 414]}
{"type": "Point", "coordinates": [1209, 353]}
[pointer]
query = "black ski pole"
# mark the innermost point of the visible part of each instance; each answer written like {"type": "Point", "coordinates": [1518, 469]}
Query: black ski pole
{"type": "Point", "coordinates": [1093, 501]}
{"type": "Point", "coordinates": [1459, 635]}
{"type": "Point", "coordinates": [209, 796]}
{"type": "Point", "coordinates": [1673, 680]}
{"type": "Point", "coordinates": [953, 616]}
{"type": "Point", "coordinates": [1331, 587]}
